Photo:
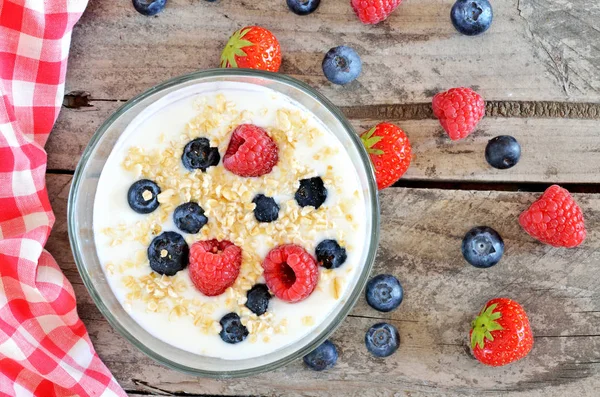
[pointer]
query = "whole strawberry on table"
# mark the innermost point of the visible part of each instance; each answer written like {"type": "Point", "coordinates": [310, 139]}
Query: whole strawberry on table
{"type": "Point", "coordinates": [252, 47]}
{"type": "Point", "coordinates": [501, 334]}
{"type": "Point", "coordinates": [390, 152]}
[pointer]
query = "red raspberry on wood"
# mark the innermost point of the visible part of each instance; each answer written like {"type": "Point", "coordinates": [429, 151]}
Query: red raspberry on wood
{"type": "Point", "coordinates": [555, 219]}
{"type": "Point", "coordinates": [374, 11]}
{"type": "Point", "coordinates": [458, 110]}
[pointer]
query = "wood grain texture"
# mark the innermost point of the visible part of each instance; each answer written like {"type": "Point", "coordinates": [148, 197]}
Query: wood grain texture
{"type": "Point", "coordinates": [117, 53]}
{"type": "Point", "coordinates": [420, 243]}
{"type": "Point", "coordinates": [567, 34]}
{"type": "Point", "coordinates": [554, 150]}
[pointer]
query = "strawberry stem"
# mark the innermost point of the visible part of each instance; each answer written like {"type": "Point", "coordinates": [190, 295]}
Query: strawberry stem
{"type": "Point", "coordinates": [483, 325]}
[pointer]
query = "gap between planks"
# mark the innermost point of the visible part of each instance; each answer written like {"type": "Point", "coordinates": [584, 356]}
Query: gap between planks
{"type": "Point", "coordinates": [478, 186]}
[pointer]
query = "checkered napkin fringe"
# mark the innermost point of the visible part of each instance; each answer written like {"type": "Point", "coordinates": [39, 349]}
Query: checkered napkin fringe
{"type": "Point", "coordinates": [44, 347]}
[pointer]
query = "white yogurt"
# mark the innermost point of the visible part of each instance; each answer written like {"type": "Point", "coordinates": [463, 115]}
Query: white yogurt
{"type": "Point", "coordinates": [165, 121]}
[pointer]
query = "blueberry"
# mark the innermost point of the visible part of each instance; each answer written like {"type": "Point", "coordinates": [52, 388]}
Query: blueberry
{"type": "Point", "coordinates": [384, 293]}
{"type": "Point", "coordinates": [471, 17]}
{"type": "Point", "coordinates": [198, 154]}
{"type": "Point", "coordinates": [149, 7]}
{"type": "Point", "coordinates": [341, 65]}
{"type": "Point", "coordinates": [323, 357]}
{"type": "Point", "coordinates": [232, 329]}
{"type": "Point", "coordinates": [189, 217]}
{"type": "Point", "coordinates": [482, 247]}
{"type": "Point", "coordinates": [266, 209]}
{"type": "Point", "coordinates": [312, 191]}
{"type": "Point", "coordinates": [142, 196]}
{"type": "Point", "coordinates": [330, 255]}
{"type": "Point", "coordinates": [258, 299]}
{"type": "Point", "coordinates": [303, 7]}
{"type": "Point", "coordinates": [503, 152]}
{"type": "Point", "coordinates": [168, 253]}
{"type": "Point", "coordinates": [382, 339]}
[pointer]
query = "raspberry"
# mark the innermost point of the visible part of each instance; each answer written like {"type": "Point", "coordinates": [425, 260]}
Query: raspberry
{"type": "Point", "coordinates": [251, 151]}
{"type": "Point", "coordinates": [374, 11]}
{"type": "Point", "coordinates": [459, 110]}
{"type": "Point", "coordinates": [214, 265]}
{"type": "Point", "coordinates": [290, 272]}
{"type": "Point", "coordinates": [555, 219]}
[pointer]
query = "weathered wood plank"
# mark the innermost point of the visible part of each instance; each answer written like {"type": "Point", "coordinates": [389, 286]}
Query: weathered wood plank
{"type": "Point", "coordinates": [566, 35]}
{"type": "Point", "coordinates": [554, 150]}
{"type": "Point", "coordinates": [117, 53]}
{"type": "Point", "coordinates": [420, 243]}
{"type": "Point", "coordinates": [72, 132]}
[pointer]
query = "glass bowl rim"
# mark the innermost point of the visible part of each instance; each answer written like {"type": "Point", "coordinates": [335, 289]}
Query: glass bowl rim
{"type": "Point", "coordinates": [372, 195]}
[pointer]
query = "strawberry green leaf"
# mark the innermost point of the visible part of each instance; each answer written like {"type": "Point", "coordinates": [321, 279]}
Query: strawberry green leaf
{"type": "Point", "coordinates": [369, 141]}
{"type": "Point", "coordinates": [244, 32]}
{"type": "Point", "coordinates": [490, 310]}
{"type": "Point", "coordinates": [369, 133]}
{"type": "Point", "coordinates": [234, 47]}
{"type": "Point", "coordinates": [494, 326]}
{"type": "Point", "coordinates": [377, 152]}
{"type": "Point", "coordinates": [239, 52]}
{"type": "Point", "coordinates": [476, 340]}
{"type": "Point", "coordinates": [483, 326]}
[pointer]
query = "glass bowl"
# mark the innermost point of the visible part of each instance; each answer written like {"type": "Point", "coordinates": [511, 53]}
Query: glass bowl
{"type": "Point", "coordinates": [81, 234]}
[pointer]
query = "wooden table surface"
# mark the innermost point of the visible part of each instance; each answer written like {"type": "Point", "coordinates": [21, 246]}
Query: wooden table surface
{"type": "Point", "coordinates": [538, 68]}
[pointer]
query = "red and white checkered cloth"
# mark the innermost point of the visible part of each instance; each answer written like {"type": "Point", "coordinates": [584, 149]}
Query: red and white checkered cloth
{"type": "Point", "coordinates": [44, 347]}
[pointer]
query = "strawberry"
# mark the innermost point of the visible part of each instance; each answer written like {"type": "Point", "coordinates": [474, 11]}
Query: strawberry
{"type": "Point", "coordinates": [252, 47]}
{"type": "Point", "coordinates": [390, 152]}
{"type": "Point", "coordinates": [501, 333]}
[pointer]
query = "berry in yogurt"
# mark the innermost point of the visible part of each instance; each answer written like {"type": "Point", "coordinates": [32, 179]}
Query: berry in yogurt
{"type": "Point", "coordinates": [330, 254]}
{"type": "Point", "coordinates": [312, 192]}
{"type": "Point", "coordinates": [291, 273]}
{"type": "Point", "coordinates": [189, 217]}
{"type": "Point", "coordinates": [266, 210]}
{"type": "Point", "coordinates": [214, 265]}
{"type": "Point", "coordinates": [258, 299]}
{"type": "Point", "coordinates": [142, 196]}
{"type": "Point", "coordinates": [232, 329]}
{"type": "Point", "coordinates": [168, 253]}
{"type": "Point", "coordinates": [251, 151]}
{"type": "Point", "coordinates": [199, 155]}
